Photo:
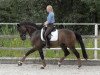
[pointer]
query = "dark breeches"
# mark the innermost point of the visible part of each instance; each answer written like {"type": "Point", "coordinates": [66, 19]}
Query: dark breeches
{"type": "Point", "coordinates": [47, 32]}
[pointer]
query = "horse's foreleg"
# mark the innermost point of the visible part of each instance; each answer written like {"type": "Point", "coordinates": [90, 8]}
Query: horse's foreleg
{"type": "Point", "coordinates": [66, 53]}
{"type": "Point", "coordinates": [23, 59]}
{"type": "Point", "coordinates": [42, 57]}
{"type": "Point", "coordinates": [78, 56]}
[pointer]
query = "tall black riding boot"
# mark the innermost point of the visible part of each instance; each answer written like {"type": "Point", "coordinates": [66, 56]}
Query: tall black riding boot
{"type": "Point", "coordinates": [47, 43]}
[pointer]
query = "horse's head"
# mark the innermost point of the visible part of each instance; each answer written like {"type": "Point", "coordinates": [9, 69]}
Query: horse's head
{"type": "Point", "coordinates": [27, 27]}
{"type": "Point", "coordinates": [22, 31]}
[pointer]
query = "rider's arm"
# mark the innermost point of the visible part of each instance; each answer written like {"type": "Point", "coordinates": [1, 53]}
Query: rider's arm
{"type": "Point", "coordinates": [45, 23]}
{"type": "Point", "coordinates": [50, 19]}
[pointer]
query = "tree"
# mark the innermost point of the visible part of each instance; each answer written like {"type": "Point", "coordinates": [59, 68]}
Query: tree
{"type": "Point", "coordinates": [34, 10]}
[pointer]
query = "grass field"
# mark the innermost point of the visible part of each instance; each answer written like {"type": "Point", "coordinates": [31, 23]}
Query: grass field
{"type": "Point", "coordinates": [48, 54]}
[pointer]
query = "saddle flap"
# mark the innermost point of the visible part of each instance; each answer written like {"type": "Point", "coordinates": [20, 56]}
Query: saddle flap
{"type": "Point", "coordinates": [53, 36]}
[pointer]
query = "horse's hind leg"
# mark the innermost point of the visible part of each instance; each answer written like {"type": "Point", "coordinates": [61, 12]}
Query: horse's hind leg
{"type": "Point", "coordinates": [77, 55]}
{"type": "Point", "coordinates": [23, 59]}
{"type": "Point", "coordinates": [66, 53]}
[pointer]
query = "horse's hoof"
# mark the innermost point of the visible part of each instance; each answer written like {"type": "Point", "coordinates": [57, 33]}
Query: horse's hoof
{"type": "Point", "coordinates": [20, 63]}
{"type": "Point", "coordinates": [86, 59]}
{"type": "Point", "coordinates": [59, 64]}
{"type": "Point", "coordinates": [42, 67]}
{"type": "Point", "coordinates": [79, 66]}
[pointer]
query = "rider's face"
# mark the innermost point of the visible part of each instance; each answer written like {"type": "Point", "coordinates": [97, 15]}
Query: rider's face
{"type": "Point", "coordinates": [48, 9]}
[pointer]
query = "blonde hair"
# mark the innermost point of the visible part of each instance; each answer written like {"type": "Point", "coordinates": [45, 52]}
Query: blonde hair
{"type": "Point", "coordinates": [50, 7]}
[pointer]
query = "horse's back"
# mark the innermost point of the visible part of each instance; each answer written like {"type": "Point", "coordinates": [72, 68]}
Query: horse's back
{"type": "Point", "coordinates": [66, 36]}
{"type": "Point", "coordinates": [66, 32]}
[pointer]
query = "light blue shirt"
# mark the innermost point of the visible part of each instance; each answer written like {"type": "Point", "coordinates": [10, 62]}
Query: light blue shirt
{"type": "Point", "coordinates": [51, 18]}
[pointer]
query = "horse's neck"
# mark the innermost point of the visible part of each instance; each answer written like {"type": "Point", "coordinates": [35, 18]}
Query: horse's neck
{"type": "Point", "coordinates": [31, 31]}
{"type": "Point", "coordinates": [30, 34]}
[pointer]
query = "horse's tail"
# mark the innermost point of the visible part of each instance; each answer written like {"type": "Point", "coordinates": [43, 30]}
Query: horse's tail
{"type": "Point", "coordinates": [79, 39]}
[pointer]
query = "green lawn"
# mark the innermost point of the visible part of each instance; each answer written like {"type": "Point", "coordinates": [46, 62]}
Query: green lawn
{"type": "Point", "coordinates": [48, 54]}
{"type": "Point", "coordinates": [17, 42]}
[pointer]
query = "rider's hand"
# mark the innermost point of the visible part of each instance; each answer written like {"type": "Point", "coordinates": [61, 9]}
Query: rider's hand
{"type": "Point", "coordinates": [45, 23]}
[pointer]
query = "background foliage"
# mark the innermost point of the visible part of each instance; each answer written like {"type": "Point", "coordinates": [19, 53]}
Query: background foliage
{"type": "Point", "coordinates": [68, 11]}
{"type": "Point", "coordinates": [34, 10]}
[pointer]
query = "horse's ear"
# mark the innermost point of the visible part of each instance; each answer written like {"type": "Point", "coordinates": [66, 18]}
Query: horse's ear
{"type": "Point", "coordinates": [18, 25]}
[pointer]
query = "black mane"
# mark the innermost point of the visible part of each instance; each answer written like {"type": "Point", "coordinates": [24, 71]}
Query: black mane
{"type": "Point", "coordinates": [31, 23]}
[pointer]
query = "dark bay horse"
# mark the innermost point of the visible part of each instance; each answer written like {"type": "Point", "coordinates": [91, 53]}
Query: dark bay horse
{"type": "Point", "coordinates": [66, 39]}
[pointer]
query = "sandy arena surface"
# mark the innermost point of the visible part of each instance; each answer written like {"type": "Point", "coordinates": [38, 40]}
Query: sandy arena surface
{"type": "Point", "coordinates": [34, 69]}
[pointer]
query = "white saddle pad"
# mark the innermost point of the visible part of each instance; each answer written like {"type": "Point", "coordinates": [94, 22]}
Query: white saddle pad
{"type": "Point", "coordinates": [54, 35]}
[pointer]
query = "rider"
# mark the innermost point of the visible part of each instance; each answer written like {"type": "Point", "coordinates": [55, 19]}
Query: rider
{"type": "Point", "coordinates": [49, 24]}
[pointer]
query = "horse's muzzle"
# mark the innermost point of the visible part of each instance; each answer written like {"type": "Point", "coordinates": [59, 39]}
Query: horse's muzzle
{"type": "Point", "coordinates": [23, 37]}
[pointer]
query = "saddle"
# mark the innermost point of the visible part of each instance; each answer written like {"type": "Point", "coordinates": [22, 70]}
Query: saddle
{"type": "Point", "coordinates": [53, 36]}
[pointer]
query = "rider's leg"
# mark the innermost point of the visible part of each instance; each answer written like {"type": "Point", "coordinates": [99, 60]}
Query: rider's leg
{"type": "Point", "coordinates": [48, 31]}
{"type": "Point", "coordinates": [46, 37]}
